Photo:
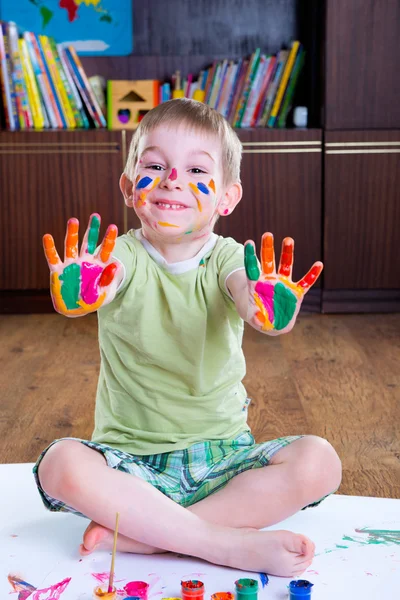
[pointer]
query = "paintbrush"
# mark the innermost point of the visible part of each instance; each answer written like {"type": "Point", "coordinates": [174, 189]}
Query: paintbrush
{"type": "Point", "coordinates": [111, 580]}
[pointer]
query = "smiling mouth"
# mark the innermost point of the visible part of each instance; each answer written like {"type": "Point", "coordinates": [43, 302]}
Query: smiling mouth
{"type": "Point", "coordinates": [167, 206]}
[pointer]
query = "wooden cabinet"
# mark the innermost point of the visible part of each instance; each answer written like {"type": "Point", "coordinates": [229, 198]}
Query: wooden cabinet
{"type": "Point", "coordinates": [281, 178]}
{"type": "Point", "coordinates": [362, 217]}
{"type": "Point", "coordinates": [45, 178]}
{"type": "Point", "coordinates": [362, 54]}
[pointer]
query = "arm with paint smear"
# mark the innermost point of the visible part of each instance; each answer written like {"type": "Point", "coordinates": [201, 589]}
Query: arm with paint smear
{"type": "Point", "coordinates": [268, 300]}
{"type": "Point", "coordinates": [85, 281]}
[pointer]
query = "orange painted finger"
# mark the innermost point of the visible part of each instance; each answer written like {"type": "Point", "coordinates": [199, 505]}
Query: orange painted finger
{"type": "Point", "coordinates": [108, 275]}
{"type": "Point", "coordinates": [108, 243]}
{"type": "Point", "coordinates": [267, 254]}
{"type": "Point", "coordinates": [311, 277]}
{"type": "Point", "coordinates": [71, 238]}
{"type": "Point", "coordinates": [286, 262]}
{"type": "Point", "coordinates": [50, 251]}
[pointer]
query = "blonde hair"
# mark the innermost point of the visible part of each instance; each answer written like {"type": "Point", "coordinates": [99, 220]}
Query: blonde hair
{"type": "Point", "coordinates": [200, 117]}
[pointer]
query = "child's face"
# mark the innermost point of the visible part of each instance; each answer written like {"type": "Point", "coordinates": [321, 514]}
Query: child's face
{"type": "Point", "coordinates": [178, 188]}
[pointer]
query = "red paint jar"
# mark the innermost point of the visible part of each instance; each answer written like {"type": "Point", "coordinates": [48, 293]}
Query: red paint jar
{"type": "Point", "coordinates": [193, 589]}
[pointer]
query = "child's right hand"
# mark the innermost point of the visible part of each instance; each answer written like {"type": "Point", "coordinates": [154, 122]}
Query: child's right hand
{"type": "Point", "coordinates": [84, 282]}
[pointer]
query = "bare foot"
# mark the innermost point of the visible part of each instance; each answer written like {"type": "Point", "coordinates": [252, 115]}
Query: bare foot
{"type": "Point", "coordinates": [281, 553]}
{"type": "Point", "coordinates": [97, 537]}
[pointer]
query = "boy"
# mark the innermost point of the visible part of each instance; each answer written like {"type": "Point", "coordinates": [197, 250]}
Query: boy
{"type": "Point", "coordinates": [171, 450]}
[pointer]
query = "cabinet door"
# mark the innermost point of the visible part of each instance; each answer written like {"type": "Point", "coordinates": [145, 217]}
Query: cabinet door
{"type": "Point", "coordinates": [281, 178]}
{"type": "Point", "coordinates": [46, 178]}
{"type": "Point", "coordinates": [362, 54]}
{"type": "Point", "coordinates": [362, 210]}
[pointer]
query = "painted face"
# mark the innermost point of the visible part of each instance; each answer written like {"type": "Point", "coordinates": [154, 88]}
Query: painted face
{"type": "Point", "coordinates": [178, 183]}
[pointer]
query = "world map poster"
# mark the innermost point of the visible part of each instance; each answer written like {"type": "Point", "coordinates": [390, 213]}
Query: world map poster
{"type": "Point", "coordinates": [93, 27]}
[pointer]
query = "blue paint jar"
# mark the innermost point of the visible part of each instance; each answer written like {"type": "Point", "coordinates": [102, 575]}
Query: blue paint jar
{"type": "Point", "coordinates": [300, 589]}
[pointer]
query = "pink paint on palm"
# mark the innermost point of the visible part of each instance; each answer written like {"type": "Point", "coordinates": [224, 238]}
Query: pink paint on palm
{"type": "Point", "coordinates": [51, 593]}
{"type": "Point", "coordinates": [266, 293]}
{"type": "Point", "coordinates": [173, 175]}
{"type": "Point", "coordinates": [90, 274]}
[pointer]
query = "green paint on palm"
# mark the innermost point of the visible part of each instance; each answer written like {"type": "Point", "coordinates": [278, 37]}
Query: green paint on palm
{"type": "Point", "coordinates": [71, 285]}
{"type": "Point", "coordinates": [284, 306]}
{"type": "Point", "coordinates": [93, 234]}
{"type": "Point", "coordinates": [250, 263]}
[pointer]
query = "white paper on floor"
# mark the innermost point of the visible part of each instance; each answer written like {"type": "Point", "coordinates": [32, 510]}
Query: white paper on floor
{"type": "Point", "coordinates": [357, 552]}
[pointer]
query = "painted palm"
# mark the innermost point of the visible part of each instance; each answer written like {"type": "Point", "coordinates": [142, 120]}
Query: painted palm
{"type": "Point", "coordinates": [274, 299]}
{"type": "Point", "coordinates": [85, 281]}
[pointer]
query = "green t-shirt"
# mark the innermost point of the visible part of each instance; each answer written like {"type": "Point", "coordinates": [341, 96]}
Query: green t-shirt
{"type": "Point", "coordinates": [171, 350]}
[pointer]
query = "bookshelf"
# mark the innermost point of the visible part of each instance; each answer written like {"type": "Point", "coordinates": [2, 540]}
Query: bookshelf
{"type": "Point", "coordinates": [293, 183]}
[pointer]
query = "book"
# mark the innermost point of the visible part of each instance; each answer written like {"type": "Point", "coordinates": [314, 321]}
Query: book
{"type": "Point", "coordinates": [222, 83]}
{"type": "Point", "coordinates": [263, 92]}
{"type": "Point", "coordinates": [273, 87]}
{"type": "Point", "coordinates": [283, 83]}
{"type": "Point", "coordinates": [21, 96]}
{"type": "Point", "coordinates": [226, 91]}
{"type": "Point", "coordinates": [52, 88]}
{"type": "Point", "coordinates": [255, 91]}
{"type": "Point", "coordinates": [57, 84]}
{"type": "Point", "coordinates": [238, 90]}
{"type": "Point", "coordinates": [31, 87]}
{"type": "Point", "coordinates": [214, 86]}
{"type": "Point", "coordinates": [233, 87]}
{"type": "Point", "coordinates": [73, 88]}
{"type": "Point", "coordinates": [11, 115]}
{"type": "Point", "coordinates": [251, 72]}
{"type": "Point", "coordinates": [288, 98]}
{"type": "Point", "coordinates": [70, 97]}
{"type": "Point", "coordinates": [84, 87]}
{"type": "Point", "coordinates": [42, 80]}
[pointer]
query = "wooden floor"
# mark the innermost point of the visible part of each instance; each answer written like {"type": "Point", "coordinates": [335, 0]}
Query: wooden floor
{"type": "Point", "coordinates": [336, 376]}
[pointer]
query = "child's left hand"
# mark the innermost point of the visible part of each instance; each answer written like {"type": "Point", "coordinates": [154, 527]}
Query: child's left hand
{"type": "Point", "coordinates": [274, 299]}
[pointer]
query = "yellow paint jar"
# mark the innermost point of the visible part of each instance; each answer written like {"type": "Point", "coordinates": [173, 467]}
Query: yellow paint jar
{"type": "Point", "coordinates": [100, 593]}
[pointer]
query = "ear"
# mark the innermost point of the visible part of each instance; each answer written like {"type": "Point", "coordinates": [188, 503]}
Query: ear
{"type": "Point", "coordinates": [126, 187]}
{"type": "Point", "coordinates": [232, 197]}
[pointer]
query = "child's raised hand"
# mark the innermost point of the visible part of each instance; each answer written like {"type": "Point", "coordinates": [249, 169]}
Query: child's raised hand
{"type": "Point", "coordinates": [274, 299]}
{"type": "Point", "coordinates": [85, 281]}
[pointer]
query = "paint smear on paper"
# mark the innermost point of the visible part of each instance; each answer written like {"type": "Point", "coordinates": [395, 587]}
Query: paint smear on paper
{"type": "Point", "coordinates": [26, 590]}
{"type": "Point", "coordinates": [375, 536]}
{"type": "Point", "coordinates": [264, 579]}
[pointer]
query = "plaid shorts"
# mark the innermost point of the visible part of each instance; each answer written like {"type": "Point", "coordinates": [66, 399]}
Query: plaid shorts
{"type": "Point", "coordinates": [185, 476]}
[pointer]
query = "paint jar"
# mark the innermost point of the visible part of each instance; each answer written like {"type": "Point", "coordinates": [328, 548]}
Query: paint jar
{"type": "Point", "coordinates": [137, 589]}
{"type": "Point", "coordinates": [193, 589]}
{"type": "Point", "coordinates": [222, 596]}
{"type": "Point", "coordinates": [300, 589]}
{"type": "Point", "coordinates": [246, 589]}
{"type": "Point", "coordinates": [101, 593]}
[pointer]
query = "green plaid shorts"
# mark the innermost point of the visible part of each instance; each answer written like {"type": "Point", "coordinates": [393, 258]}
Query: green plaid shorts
{"type": "Point", "coordinates": [185, 476]}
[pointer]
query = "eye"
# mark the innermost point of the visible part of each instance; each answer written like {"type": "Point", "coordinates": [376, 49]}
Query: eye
{"type": "Point", "coordinates": [196, 171]}
{"type": "Point", "coordinates": [155, 167]}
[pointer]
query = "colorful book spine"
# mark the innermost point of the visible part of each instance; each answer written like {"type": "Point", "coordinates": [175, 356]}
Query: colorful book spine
{"type": "Point", "coordinates": [255, 92]}
{"type": "Point", "coordinates": [59, 80]}
{"type": "Point", "coordinates": [53, 92]}
{"type": "Point", "coordinates": [235, 80]}
{"type": "Point", "coordinates": [209, 81]}
{"type": "Point", "coordinates": [223, 101]}
{"type": "Point", "coordinates": [21, 96]}
{"type": "Point", "coordinates": [222, 83]}
{"type": "Point", "coordinates": [11, 114]}
{"type": "Point", "coordinates": [84, 88]}
{"type": "Point", "coordinates": [73, 88]}
{"type": "Point", "coordinates": [238, 90]}
{"type": "Point", "coordinates": [263, 92]}
{"type": "Point", "coordinates": [41, 78]}
{"type": "Point", "coordinates": [282, 86]}
{"type": "Point", "coordinates": [273, 87]}
{"type": "Point", "coordinates": [251, 73]}
{"type": "Point", "coordinates": [288, 98]}
{"type": "Point", "coordinates": [215, 86]}
{"type": "Point", "coordinates": [31, 86]}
